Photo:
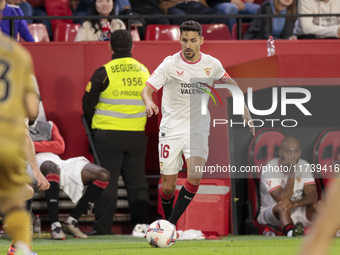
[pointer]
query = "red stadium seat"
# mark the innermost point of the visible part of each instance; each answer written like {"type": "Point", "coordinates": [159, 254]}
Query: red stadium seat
{"type": "Point", "coordinates": [162, 33]}
{"type": "Point", "coordinates": [326, 151]}
{"type": "Point", "coordinates": [263, 147]}
{"type": "Point", "coordinates": [234, 30]}
{"type": "Point", "coordinates": [259, 2]}
{"type": "Point", "coordinates": [58, 8]}
{"type": "Point", "coordinates": [38, 31]}
{"type": "Point", "coordinates": [135, 34]}
{"type": "Point", "coordinates": [215, 32]}
{"type": "Point", "coordinates": [66, 32]}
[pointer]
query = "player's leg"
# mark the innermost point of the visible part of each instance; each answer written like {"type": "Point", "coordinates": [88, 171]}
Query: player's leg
{"type": "Point", "coordinates": [167, 191]}
{"type": "Point", "coordinates": [91, 172]}
{"type": "Point", "coordinates": [17, 221]}
{"type": "Point", "coordinates": [170, 161]}
{"type": "Point", "coordinates": [96, 178]}
{"type": "Point", "coordinates": [287, 222]}
{"type": "Point", "coordinates": [52, 173]}
{"type": "Point", "coordinates": [13, 186]}
{"type": "Point", "coordinates": [325, 225]}
{"type": "Point", "coordinates": [196, 152]}
{"type": "Point", "coordinates": [189, 189]}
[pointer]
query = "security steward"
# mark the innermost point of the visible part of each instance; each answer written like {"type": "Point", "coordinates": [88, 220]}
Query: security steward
{"type": "Point", "coordinates": [113, 108]}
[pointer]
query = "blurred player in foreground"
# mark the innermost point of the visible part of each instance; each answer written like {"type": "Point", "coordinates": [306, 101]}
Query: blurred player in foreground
{"type": "Point", "coordinates": [183, 128]}
{"type": "Point", "coordinates": [18, 100]}
{"type": "Point", "coordinates": [326, 224]}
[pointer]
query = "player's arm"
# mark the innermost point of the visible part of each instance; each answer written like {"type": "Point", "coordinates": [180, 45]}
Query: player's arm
{"type": "Point", "coordinates": [43, 184]}
{"type": "Point", "coordinates": [56, 146]}
{"type": "Point", "coordinates": [246, 116]}
{"type": "Point", "coordinates": [151, 108]}
{"type": "Point", "coordinates": [311, 196]}
{"type": "Point", "coordinates": [32, 105]}
{"type": "Point", "coordinates": [284, 194]}
{"type": "Point", "coordinates": [98, 83]}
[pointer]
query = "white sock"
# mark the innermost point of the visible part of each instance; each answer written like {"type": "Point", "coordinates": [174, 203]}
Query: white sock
{"type": "Point", "coordinates": [55, 225]}
{"type": "Point", "coordinates": [70, 219]}
{"type": "Point", "coordinates": [290, 233]}
{"type": "Point", "coordinates": [22, 248]}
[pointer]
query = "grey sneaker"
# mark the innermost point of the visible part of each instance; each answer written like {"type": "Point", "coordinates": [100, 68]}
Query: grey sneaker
{"type": "Point", "coordinates": [72, 229]}
{"type": "Point", "coordinates": [58, 234]}
{"type": "Point", "coordinates": [298, 229]}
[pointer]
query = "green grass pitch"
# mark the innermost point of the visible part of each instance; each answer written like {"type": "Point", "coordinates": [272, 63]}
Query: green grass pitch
{"type": "Point", "coordinates": [126, 245]}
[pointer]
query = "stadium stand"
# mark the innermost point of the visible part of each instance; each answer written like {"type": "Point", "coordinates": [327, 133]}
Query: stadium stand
{"type": "Point", "coordinates": [66, 32]}
{"type": "Point", "coordinates": [215, 32]}
{"type": "Point", "coordinates": [135, 34]}
{"type": "Point", "coordinates": [234, 30]}
{"type": "Point", "coordinates": [162, 32]}
{"type": "Point", "coordinates": [38, 31]}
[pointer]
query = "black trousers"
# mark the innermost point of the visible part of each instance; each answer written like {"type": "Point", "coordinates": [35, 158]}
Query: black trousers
{"type": "Point", "coordinates": [122, 153]}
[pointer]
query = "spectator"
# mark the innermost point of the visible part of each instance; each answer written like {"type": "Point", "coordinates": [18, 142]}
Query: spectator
{"type": "Point", "coordinates": [84, 6]}
{"type": "Point", "coordinates": [39, 10]}
{"type": "Point", "coordinates": [234, 7]}
{"type": "Point", "coordinates": [279, 28]}
{"type": "Point", "coordinates": [74, 6]}
{"type": "Point", "coordinates": [288, 191]}
{"type": "Point", "coordinates": [148, 7]}
{"type": "Point", "coordinates": [178, 7]}
{"type": "Point", "coordinates": [20, 25]}
{"type": "Point", "coordinates": [70, 175]}
{"type": "Point", "coordinates": [123, 7]}
{"type": "Point", "coordinates": [96, 29]}
{"type": "Point", "coordinates": [318, 27]}
{"type": "Point", "coordinates": [25, 7]}
{"type": "Point", "coordinates": [113, 107]}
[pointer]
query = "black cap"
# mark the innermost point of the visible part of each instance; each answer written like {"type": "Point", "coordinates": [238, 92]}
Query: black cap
{"type": "Point", "coordinates": [121, 41]}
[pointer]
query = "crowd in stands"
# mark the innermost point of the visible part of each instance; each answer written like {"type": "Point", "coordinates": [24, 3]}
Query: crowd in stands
{"type": "Point", "coordinates": [258, 28]}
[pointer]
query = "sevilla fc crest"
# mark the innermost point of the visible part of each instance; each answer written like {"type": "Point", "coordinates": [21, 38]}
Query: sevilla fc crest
{"type": "Point", "coordinates": [207, 71]}
{"type": "Point", "coordinates": [161, 164]}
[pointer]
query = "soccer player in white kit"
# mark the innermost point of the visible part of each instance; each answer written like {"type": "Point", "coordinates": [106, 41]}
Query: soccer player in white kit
{"type": "Point", "coordinates": [183, 128]}
{"type": "Point", "coordinates": [288, 190]}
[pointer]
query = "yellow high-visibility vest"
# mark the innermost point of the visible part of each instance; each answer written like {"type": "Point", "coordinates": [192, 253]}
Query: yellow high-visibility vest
{"type": "Point", "coordinates": [120, 105]}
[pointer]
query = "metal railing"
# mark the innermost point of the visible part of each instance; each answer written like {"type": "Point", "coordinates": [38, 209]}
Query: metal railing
{"type": "Point", "coordinates": [239, 18]}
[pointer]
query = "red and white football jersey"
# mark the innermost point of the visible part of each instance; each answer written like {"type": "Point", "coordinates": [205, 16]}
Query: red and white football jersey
{"type": "Point", "coordinates": [182, 99]}
{"type": "Point", "coordinates": [271, 180]}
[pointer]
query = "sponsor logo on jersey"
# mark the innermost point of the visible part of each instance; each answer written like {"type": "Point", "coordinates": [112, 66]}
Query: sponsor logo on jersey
{"type": "Point", "coordinates": [225, 77]}
{"type": "Point", "coordinates": [207, 71]}
{"type": "Point", "coordinates": [180, 73]}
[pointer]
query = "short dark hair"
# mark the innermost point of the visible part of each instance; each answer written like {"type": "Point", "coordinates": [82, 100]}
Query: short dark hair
{"type": "Point", "coordinates": [191, 25]}
{"type": "Point", "coordinates": [121, 40]}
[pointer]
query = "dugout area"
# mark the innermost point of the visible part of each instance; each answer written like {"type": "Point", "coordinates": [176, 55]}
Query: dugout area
{"type": "Point", "coordinates": [63, 70]}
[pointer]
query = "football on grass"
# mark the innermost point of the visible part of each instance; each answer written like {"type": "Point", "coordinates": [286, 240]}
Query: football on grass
{"type": "Point", "coordinates": [161, 234]}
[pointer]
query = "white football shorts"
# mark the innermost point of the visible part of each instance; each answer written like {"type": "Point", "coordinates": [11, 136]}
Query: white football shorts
{"type": "Point", "coordinates": [266, 216]}
{"type": "Point", "coordinates": [70, 173]}
{"type": "Point", "coordinates": [170, 151]}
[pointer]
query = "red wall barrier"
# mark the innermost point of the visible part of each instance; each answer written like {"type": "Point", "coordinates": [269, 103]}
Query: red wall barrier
{"type": "Point", "coordinates": [63, 70]}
